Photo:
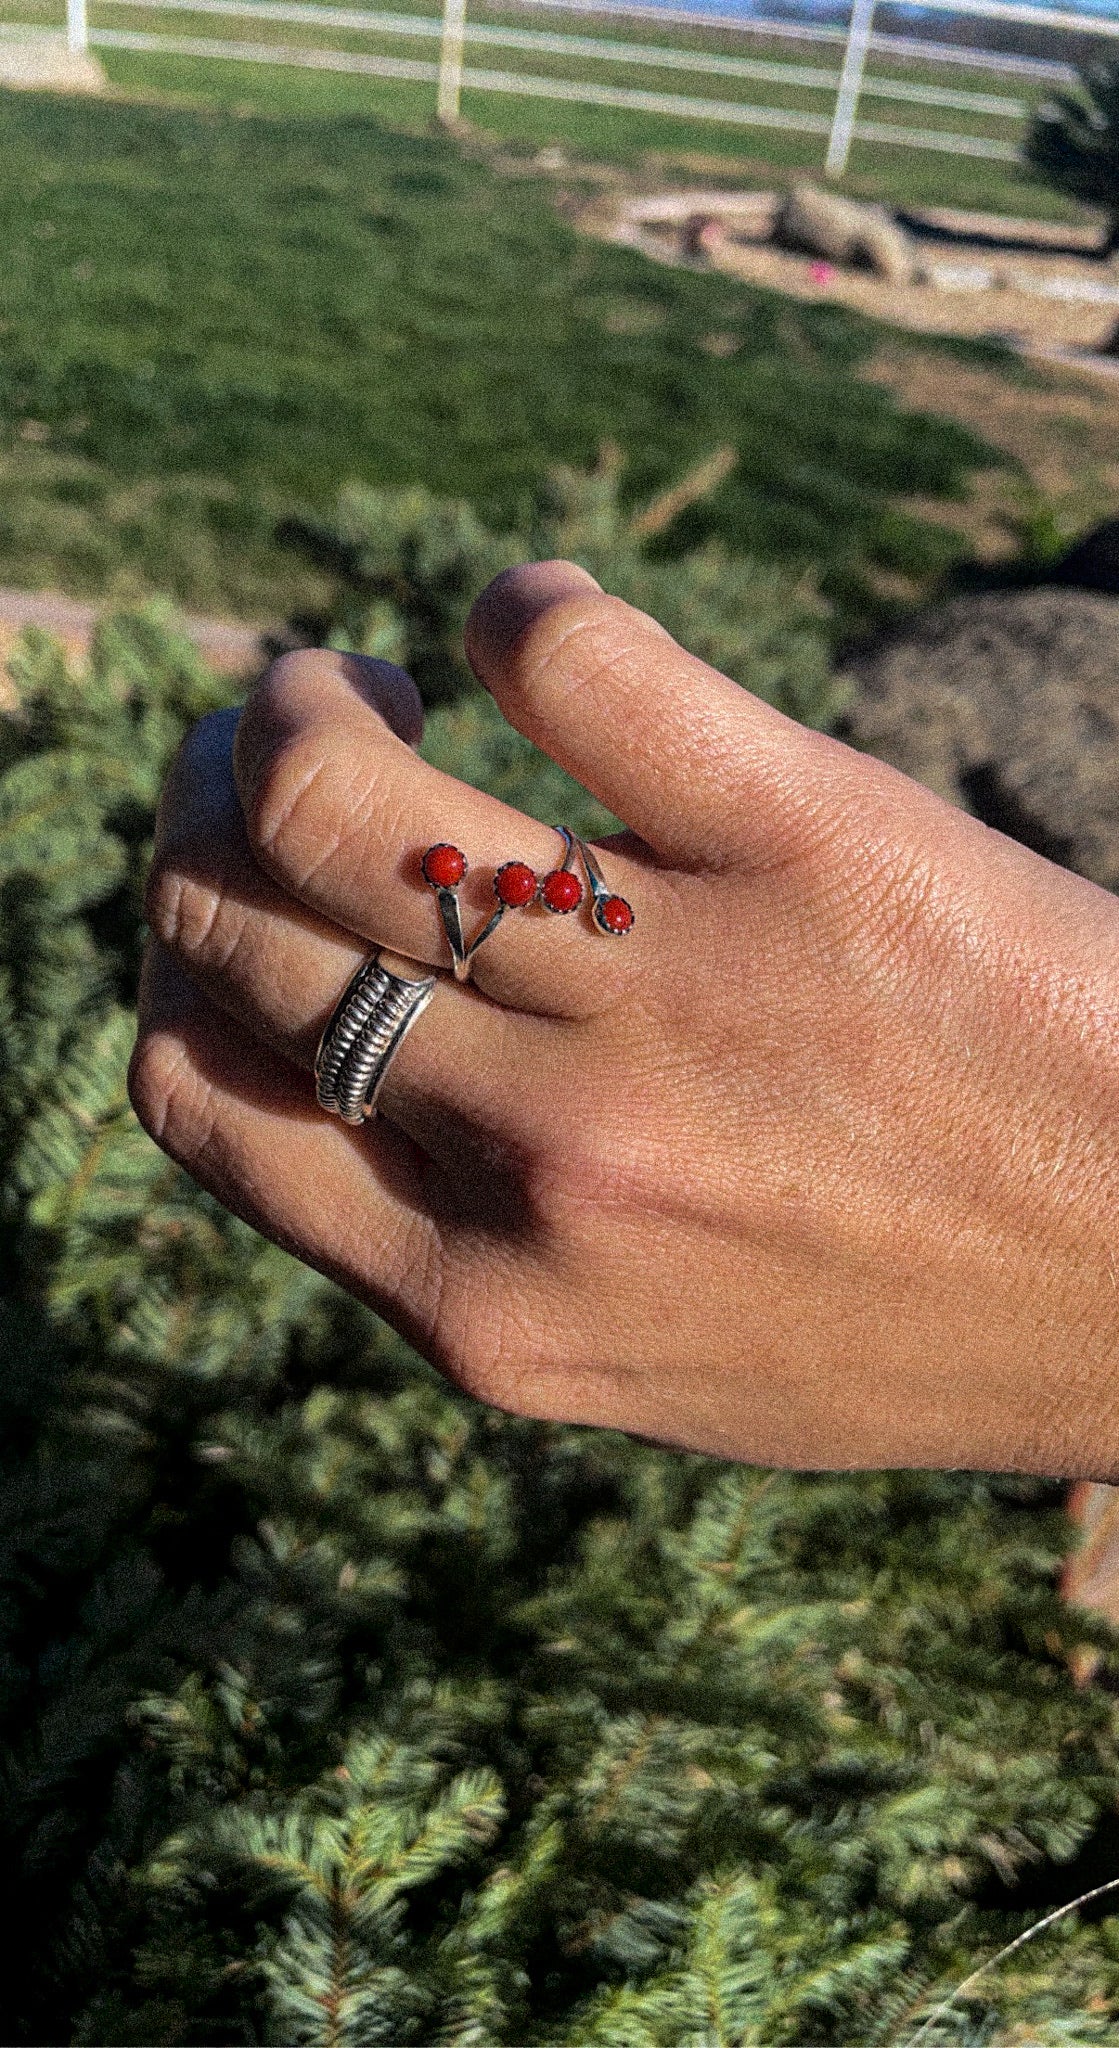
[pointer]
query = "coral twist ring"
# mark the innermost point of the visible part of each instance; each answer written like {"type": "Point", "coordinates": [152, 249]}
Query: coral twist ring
{"type": "Point", "coordinates": [516, 886]}
{"type": "Point", "coordinates": [368, 1027]}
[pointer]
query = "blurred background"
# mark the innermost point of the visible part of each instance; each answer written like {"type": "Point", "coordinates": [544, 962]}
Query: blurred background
{"type": "Point", "coordinates": [335, 1708]}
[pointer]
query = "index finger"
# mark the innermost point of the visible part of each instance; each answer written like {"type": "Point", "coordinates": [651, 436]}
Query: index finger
{"type": "Point", "coordinates": [341, 811]}
{"type": "Point", "coordinates": [705, 771]}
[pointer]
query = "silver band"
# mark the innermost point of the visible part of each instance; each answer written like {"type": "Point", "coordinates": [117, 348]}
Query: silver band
{"type": "Point", "coordinates": [369, 1025]}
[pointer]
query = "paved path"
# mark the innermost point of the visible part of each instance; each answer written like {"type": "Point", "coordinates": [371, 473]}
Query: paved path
{"type": "Point", "coordinates": [227, 646]}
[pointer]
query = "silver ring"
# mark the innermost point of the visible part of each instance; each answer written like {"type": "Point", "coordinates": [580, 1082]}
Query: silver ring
{"type": "Point", "coordinates": [515, 885]}
{"type": "Point", "coordinates": [368, 1027]}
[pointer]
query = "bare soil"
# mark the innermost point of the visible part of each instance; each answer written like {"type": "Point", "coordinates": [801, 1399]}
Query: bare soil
{"type": "Point", "coordinates": [1060, 430]}
{"type": "Point", "coordinates": [1056, 417]}
{"type": "Point", "coordinates": [1006, 311]}
{"type": "Point", "coordinates": [1033, 269]}
{"type": "Point", "coordinates": [232, 649]}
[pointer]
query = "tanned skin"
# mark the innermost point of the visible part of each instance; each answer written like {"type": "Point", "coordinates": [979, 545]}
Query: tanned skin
{"type": "Point", "coordinates": [818, 1167]}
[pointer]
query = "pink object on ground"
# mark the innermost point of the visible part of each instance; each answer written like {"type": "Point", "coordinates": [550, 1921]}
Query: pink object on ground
{"type": "Point", "coordinates": [703, 236]}
{"type": "Point", "coordinates": [821, 273]}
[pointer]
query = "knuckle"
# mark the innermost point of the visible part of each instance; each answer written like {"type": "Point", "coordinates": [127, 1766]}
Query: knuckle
{"type": "Point", "coordinates": [279, 803]}
{"type": "Point", "coordinates": [203, 737]}
{"type": "Point", "coordinates": [305, 798]}
{"type": "Point", "coordinates": [171, 1099]}
{"type": "Point", "coordinates": [287, 692]}
{"type": "Point", "coordinates": [277, 715]}
{"type": "Point", "coordinates": [578, 643]}
{"type": "Point", "coordinates": [212, 731]}
{"type": "Point", "coordinates": [178, 796]}
{"type": "Point", "coordinates": [183, 914]}
{"type": "Point", "coordinates": [208, 740]}
{"type": "Point", "coordinates": [297, 668]}
{"type": "Point", "coordinates": [284, 697]}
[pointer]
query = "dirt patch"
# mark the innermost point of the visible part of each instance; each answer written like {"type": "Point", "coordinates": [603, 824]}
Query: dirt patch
{"type": "Point", "coordinates": [1007, 312]}
{"type": "Point", "coordinates": [230, 648]}
{"type": "Point", "coordinates": [1061, 433]}
{"type": "Point", "coordinates": [1037, 286]}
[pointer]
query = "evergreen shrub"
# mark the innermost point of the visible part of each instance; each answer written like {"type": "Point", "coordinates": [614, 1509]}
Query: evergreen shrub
{"type": "Point", "coordinates": [1073, 142]}
{"type": "Point", "coordinates": [340, 1710]}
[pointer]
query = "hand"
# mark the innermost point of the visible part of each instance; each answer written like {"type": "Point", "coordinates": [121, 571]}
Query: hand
{"type": "Point", "coordinates": [819, 1166]}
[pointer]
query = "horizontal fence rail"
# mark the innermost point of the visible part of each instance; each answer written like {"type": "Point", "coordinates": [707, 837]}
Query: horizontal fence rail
{"type": "Point", "coordinates": [795, 84]}
{"type": "Point", "coordinates": [653, 56]}
{"type": "Point", "coordinates": [525, 85]}
{"type": "Point", "coordinates": [881, 43]}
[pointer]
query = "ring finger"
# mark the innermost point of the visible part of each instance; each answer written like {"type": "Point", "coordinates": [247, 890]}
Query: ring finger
{"type": "Point", "coordinates": [280, 969]}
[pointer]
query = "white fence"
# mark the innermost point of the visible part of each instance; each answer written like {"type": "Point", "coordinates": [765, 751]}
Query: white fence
{"type": "Point", "coordinates": [450, 72]}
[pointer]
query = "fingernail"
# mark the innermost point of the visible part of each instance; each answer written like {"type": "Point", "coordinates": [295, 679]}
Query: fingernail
{"type": "Point", "coordinates": [512, 602]}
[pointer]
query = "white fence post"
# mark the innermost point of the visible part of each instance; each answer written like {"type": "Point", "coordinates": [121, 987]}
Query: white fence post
{"type": "Point", "coordinates": [850, 86]}
{"type": "Point", "coordinates": [450, 62]}
{"type": "Point", "coordinates": [77, 26]}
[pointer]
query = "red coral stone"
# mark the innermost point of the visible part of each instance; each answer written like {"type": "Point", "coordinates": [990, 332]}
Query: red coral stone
{"type": "Point", "coordinates": [444, 866]}
{"type": "Point", "coordinates": [514, 884]}
{"type": "Point", "coordinates": [561, 891]}
{"type": "Point", "coordinates": [615, 914]}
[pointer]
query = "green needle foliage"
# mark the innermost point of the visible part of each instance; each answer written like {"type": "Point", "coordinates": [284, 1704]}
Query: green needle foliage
{"type": "Point", "coordinates": [1074, 141]}
{"type": "Point", "coordinates": [338, 1710]}
{"type": "Point", "coordinates": [405, 568]}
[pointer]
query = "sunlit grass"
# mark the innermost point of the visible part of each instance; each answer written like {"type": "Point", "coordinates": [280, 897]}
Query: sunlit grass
{"type": "Point", "coordinates": [210, 317]}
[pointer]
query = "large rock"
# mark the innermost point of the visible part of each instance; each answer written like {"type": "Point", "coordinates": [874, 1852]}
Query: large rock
{"type": "Point", "coordinates": [845, 231]}
{"type": "Point", "coordinates": [1007, 704]}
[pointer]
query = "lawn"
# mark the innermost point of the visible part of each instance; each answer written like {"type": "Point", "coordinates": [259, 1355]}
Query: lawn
{"type": "Point", "coordinates": [211, 318]}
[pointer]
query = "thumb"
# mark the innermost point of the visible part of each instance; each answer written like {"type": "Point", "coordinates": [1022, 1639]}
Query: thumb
{"type": "Point", "coordinates": [693, 763]}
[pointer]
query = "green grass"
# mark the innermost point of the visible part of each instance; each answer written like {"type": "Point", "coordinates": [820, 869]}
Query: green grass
{"type": "Point", "coordinates": [209, 319]}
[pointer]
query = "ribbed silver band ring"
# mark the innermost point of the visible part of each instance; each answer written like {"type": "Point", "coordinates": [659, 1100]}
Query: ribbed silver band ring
{"type": "Point", "coordinates": [369, 1025]}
